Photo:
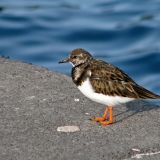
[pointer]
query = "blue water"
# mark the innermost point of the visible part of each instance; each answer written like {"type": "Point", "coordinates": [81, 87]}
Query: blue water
{"type": "Point", "coordinates": [125, 33]}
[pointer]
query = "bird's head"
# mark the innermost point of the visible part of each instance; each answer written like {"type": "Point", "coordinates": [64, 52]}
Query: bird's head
{"type": "Point", "coordinates": [77, 57]}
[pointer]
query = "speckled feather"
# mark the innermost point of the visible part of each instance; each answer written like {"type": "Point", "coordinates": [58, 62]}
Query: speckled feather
{"type": "Point", "coordinates": [105, 78]}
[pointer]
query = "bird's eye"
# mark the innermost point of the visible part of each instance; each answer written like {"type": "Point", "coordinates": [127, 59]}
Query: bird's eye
{"type": "Point", "coordinates": [75, 56]}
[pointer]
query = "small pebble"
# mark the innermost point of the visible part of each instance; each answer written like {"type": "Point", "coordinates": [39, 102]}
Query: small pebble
{"type": "Point", "coordinates": [135, 149]}
{"type": "Point", "coordinates": [68, 129]}
{"type": "Point", "coordinates": [76, 99]}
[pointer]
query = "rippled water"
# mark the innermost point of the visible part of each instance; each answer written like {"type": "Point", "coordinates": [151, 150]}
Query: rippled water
{"type": "Point", "coordinates": [125, 33]}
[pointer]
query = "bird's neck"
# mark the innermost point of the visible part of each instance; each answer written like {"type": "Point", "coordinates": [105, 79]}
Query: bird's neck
{"type": "Point", "coordinates": [78, 73]}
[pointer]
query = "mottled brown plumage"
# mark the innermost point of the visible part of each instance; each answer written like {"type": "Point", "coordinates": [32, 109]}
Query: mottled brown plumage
{"type": "Point", "coordinates": [104, 77]}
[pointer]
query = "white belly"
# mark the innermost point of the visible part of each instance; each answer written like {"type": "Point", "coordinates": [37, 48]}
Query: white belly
{"type": "Point", "coordinates": [89, 92]}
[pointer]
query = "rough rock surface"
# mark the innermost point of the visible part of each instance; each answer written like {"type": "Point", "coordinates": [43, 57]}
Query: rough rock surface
{"type": "Point", "coordinates": [34, 102]}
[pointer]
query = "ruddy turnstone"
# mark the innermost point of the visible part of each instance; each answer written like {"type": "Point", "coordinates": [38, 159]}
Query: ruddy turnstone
{"type": "Point", "coordinates": [104, 83]}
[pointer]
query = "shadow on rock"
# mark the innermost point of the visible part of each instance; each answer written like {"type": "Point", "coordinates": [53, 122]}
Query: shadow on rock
{"type": "Point", "coordinates": [135, 107]}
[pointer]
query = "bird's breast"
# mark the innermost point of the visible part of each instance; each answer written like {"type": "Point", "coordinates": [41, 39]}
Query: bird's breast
{"type": "Point", "coordinates": [86, 88]}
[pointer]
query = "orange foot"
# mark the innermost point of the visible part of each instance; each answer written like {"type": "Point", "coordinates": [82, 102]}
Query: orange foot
{"type": "Point", "coordinates": [98, 119]}
{"type": "Point", "coordinates": [108, 113]}
{"type": "Point", "coordinates": [103, 118]}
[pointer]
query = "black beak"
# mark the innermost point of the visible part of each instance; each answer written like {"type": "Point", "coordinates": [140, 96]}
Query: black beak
{"type": "Point", "coordinates": [64, 60]}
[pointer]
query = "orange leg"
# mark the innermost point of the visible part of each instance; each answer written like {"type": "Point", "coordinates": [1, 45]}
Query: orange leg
{"type": "Point", "coordinates": [110, 121]}
{"type": "Point", "coordinates": [103, 118]}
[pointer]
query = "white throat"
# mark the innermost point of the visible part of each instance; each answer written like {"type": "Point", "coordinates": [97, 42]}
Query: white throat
{"type": "Point", "coordinates": [72, 64]}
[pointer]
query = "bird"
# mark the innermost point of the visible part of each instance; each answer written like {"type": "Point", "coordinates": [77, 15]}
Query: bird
{"type": "Point", "coordinates": [104, 83]}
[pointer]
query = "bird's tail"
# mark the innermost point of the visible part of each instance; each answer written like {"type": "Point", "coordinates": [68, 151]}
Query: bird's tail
{"type": "Point", "coordinates": [146, 94]}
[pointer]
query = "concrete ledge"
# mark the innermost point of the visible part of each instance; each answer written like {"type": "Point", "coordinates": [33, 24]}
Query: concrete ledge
{"type": "Point", "coordinates": [34, 102]}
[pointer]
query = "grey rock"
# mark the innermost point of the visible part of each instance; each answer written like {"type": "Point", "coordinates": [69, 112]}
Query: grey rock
{"type": "Point", "coordinates": [34, 102]}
